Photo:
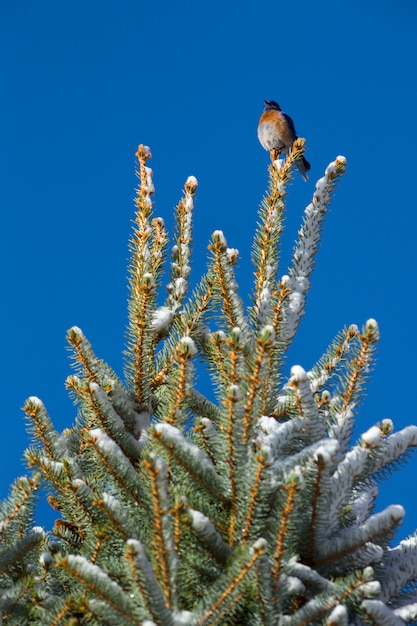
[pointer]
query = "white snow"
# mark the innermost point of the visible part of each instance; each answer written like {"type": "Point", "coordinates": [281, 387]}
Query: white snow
{"type": "Point", "coordinates": [234, 393]}
{"type": "Point", "coordinates": [267, 333]}
{"type": "Point", "coordinates": [149, 187]}
{"type": "Point", "coordinates": [395, 511]}
{"type": "Point", "coordinates": [199, 520]}
{"type": "Point", "coordinates": [46, 558]}
{"type": "Point", "coordinates": [371, 327]}
{"type": "Point", "coordinates": [189, 204]}
{"type": "Point", "coordinates": [279, 163]}
{"type": "Point", "coordinates": [218, 236]}
{"type": "Point", "coordinates": [77, 331]}
{"type": "Point", "coordinates": [387, 426]}
{"type": "Point", "coordinates": [77, 483]}
{"type": "Point", "coordinates": [183, 618]}
{"type": "Point", "coordinates": [173, 435]}
{"type": "Point", "coordinates": [298, 374]}
{"type": "Point", "coordinates": [232, 255]}
{"type": "Point", "coordinates": [372, 437]}
{"type": "Point", "coordinates": [36, 401]}
{"type": "Point", "coordinates": [162, 319]}
{"type": "Point", "coordinates": [149, 280]}
{"type": "Point", "coordinates": [188, 346]}
{"type": "Point", "coordinates": [338, 617]}
{"type": "Point", "coordinates": [135, 545]}
{"type": "Point", "coordinates": [180, 286]}
{"type": "Point", "coordinates": [56, 466]}
{"type": "Point", "coordinates": [327, 451]}
{"type": "Point", "coordinates": [145, 151]}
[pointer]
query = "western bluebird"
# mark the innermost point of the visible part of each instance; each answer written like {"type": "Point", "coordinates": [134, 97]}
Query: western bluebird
{"type": "Point", "coordinates": [276, 132]}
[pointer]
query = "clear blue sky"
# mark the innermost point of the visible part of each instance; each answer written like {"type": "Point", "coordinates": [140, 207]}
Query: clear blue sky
{"type": "Point", "coordinates": [84, 81]}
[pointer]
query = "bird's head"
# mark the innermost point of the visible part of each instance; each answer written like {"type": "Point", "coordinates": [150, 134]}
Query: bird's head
{"type": "Point", "coordinates": [271, 104]}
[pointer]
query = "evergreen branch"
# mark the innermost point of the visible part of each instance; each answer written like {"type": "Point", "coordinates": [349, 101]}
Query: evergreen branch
{"type": "Point", "coordinates": [86, 512]}
{"type": "Point", "coordinates": [360, 366]}
{"type": "Point", "coordinates": [338, 616]}
{"type": "Point", "coordinates": [281, 293]}
{"type": "Point", "coordinates": [215, 353]}
{"type": "Point", "coordinates": [112, 424]}
{"type": "Point", "coordinates": [134, 417]}
{"type": "Point", "coordinates": [349, 540]}
{"type": "Point", "coordinates": [234, 418]}
{"type": "Point", "coordinates": [179, 382]}
{"type": "Point", "coordinates": [399, 567]}
{"type": "Point", "coordinates": [42, 428]}
{"type": "Point", "coordinates": [303, 257]}
{"type": "Point", "coordinates": [264, 343]}
{"type": "Point", "coordinates": [206, 436]}
{"type": "Point", "coordinates": [231, 304]}
{"type": "Point", "coordinates": [291, 488]}
{"type": "Point", "coordinates": [158, 245]}
{"type": "Point", "coordinates": [95, 580]}
{"type": "Point", "coordinates": [205, 530]}
{"type": "Point", "coordinates": [55, 472]}
{"type": "Point", "coordinates": [114, 461]}
{"type": "Point", "coordinates": [186, 324]}
{"type": "Point", "coordinates": [265, 597]}
{"type": "Point", "coordinates": [338, 490]}
{"type": "Point", "coordinates": [355, 373]}
{"type": "Point", "coordinates": [334, 357]}
{"type": "Point", "coordinates": [101, 536]}
{"type": "Point", "coordinates": [202, 406]}
{"type": "Point", "coordinates": [314, 524]}
{"type": "Point", "coordinates": [407, 613]}
{"type": "Point", "coordinates": [194, 460]}
{"type": "Point", "coordinates": [13, 599]}
{"type": "Point", "coordinates": [146, 583]}
{"type": "Point", "coordinates": [275, 354]}
{"type": "Point", "coordinates": [227, 596]}
{"type": "Point", "coordinates": [380, 614]}
{"type": "Point", "coordinates": [261, 459]}
{"type": "Point", "coordinates": [165, 557]}
{"type": "Point", "coordinates": [309, 576]}
{"type": "Point", "coordinates": [66, 608]}
{"type": "Point", "coordinates": [16, 511]}
{"type": "Point", "coordinates": [322, 604]}
{"type": "Point", "coordinates": [118, 516]}
{"type": "Point", "coordinates": [364, 501]}
{"type": "Point", "coordinates": [177, 511]}
{"type": "Point", "coordinates": [94, 369]}
{"type": "Point", "coordinates": [12, 557]}
{"type": "Point", "coordinates": [180, 265]}
{"type": "Point", "coordinates": [392, 445]}
{"type": "Point", "coordinates": [265, 251]}
{"type": "Point", "coordinates": [144, 338]}
{"type": "Point", "coordinates": [314, 426]}
{"type": "Point", "coordinates": [142, 283]}
{"type": "Point", "coordinates": [274, 437]}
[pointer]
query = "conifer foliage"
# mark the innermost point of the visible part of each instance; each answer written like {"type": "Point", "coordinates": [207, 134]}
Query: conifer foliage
{"type": "Point", "coordinates": [174, 510]}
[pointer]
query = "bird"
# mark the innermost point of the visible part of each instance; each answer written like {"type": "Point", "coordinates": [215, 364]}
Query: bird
{"type": "Point", "coordinates": [276, 133]}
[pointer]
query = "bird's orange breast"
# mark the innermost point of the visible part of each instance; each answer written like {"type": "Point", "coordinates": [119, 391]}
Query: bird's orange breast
{"type": "Point", "coordinates": [275, 118]}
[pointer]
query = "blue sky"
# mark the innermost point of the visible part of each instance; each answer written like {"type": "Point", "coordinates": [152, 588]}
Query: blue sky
{"type": "Point", "coordinates": [84, 82]}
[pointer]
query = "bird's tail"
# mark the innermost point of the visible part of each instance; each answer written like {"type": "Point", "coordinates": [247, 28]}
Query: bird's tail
{"type": "Point", "coordinates": [303, 165]}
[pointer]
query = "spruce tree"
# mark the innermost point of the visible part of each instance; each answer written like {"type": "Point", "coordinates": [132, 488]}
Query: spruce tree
{"type": "Point", "coordinates": [174, 509]}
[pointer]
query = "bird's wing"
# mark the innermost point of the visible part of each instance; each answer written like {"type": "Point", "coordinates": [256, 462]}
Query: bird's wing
{"type": "Point", "coordinates": [290, 123]}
